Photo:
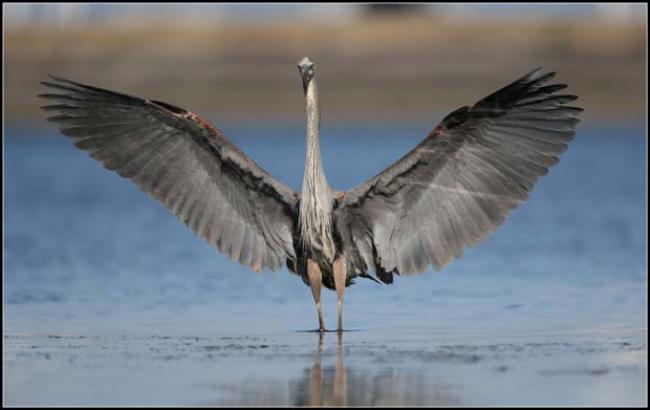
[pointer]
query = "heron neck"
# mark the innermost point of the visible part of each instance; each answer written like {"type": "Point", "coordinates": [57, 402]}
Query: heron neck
{"type": "Point", "coordinates": [314, 178]}
{"type": "Point", "coordinates": [316, 197]}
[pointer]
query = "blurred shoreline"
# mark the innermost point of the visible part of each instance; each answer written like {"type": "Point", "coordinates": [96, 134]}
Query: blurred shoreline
{"type": "Point", "coordinates": [373, 71]}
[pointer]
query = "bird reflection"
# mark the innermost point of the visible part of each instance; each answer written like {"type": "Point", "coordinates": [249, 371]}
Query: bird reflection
{"type": "Point", "coordinates": [340, 381]}
{"type": "Point", "coordinates": [339, 388]}
{"type": "Point", "coordinates": [368, 382]}
{"type": "Point", "coordinates": [373, 385]}
{"type": "Point", "coordinates": [316, 376]}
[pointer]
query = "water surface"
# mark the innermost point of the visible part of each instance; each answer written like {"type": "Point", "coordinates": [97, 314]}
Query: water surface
{"type": "Point", "coordinates": [108, 299]}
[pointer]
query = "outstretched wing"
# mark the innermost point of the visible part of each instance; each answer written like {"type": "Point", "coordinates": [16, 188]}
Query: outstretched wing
{"type": "Point", "coordinates": [460, 183]}
{"type": "Point", "coordinates": [187, 164]}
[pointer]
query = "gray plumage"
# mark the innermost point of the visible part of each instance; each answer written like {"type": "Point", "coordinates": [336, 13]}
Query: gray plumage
{"type": "Point", "coordinates": [451, 191]}
{"type": "Point", "coordinates": [188, 165]}
{"type": "Point", "coordinates": [460, 183]}
{"type": "Point", "coordinates": [316, 198]}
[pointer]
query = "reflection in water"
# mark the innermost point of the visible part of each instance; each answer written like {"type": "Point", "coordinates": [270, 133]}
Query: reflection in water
{"type": "Point", "coordinates": [340, 383]}
{"type": "Point", "coordinates": [371, 381]}
{"type": "Point", "coordinates": [375, 385]}
{"type": "Point", "coordinates": [340, 393]}
{"type": "Point", "coordinates": [317, 374]}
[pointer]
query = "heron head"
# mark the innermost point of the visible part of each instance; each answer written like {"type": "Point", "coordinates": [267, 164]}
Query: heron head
{"type": "Point", "coordinates": [307, 70]}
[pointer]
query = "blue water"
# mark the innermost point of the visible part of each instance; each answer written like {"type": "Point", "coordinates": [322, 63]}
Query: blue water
{"type": "Point", "coordinates": [86, 252]}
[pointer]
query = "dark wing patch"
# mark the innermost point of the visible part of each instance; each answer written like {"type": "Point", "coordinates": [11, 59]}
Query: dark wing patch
{"type": "Point", "coordinates": [185, 163]}
{"type": "Point", "coordinates": [460, 183]}
{"type": "Point", "coordinates": [455, 118]}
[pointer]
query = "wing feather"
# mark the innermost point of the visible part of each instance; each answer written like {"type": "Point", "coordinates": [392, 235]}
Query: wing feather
{"type": "Point", "coordinates": [185, 163]}
{"type": "Point", "coordinates": [460, 183]}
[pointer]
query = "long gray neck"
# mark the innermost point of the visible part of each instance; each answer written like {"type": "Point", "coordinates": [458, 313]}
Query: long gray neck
{"type": "Point", "coordinates": [314, 179]}
{"type": "Point", "coordinates": [316, 198]}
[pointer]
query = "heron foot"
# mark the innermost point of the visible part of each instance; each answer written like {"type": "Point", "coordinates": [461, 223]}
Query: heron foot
{"type": "Point", "coordinates": [321, 331]}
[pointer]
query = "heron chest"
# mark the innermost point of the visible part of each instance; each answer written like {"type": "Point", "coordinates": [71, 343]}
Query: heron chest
{"type": "Point", "coordinates": [316, 231]}
{"type": "Point", "coordinates": [320, 246]}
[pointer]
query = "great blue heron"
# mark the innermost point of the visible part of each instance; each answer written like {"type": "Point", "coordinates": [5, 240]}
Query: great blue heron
{"type": "Point", "coordinates": [450, 191]}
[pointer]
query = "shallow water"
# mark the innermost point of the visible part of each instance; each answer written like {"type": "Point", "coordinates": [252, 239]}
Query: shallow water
{"type": "Point", "coordinates": [110, 300]}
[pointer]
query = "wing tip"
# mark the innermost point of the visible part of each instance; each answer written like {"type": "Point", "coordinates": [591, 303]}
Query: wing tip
{"type": "Point", "coordinates": [61, 79]}
{"type": "Point", "coordinates": [532, 73]}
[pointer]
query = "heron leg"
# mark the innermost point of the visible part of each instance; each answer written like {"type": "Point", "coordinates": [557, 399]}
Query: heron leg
{"type": "Point", "coordinates": [340, 272]}
{"type": "Point", "coordinates": [315, 280]}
